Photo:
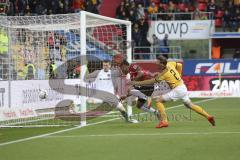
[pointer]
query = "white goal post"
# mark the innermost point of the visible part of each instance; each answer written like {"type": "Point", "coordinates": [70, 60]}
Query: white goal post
{"type": "Point", "coordinates": [37, 50]}
{"type": "Point", "coordinates": [93, 23]}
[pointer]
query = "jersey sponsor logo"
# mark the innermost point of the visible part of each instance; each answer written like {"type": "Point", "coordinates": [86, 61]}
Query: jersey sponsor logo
{"type": "Point", "coordinates": [134, 67]}
{"type": "Point", "coordinates": [105, 78]}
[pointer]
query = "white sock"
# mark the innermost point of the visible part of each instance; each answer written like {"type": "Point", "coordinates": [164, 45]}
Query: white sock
{"type": "Point", "coordinates": [145, 108]}
{"type": "Point", "coordinates": [120, 107]}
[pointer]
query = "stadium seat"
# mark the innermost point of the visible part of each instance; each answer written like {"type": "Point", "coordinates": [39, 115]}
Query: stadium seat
{"type": "Point", "coordinates": [219, 14]}
{"type": "Point", "coordinates": [218, 22]}
{"type": "Point", "coordinates": [165, 6]}
{"type": "Point", "coordinates": [156, 2]}
{"type": "Point", "coordinates": [202, 6]}
{"type": "Point", "coordinates": [202, 1]}
{"type": "Point", "coordinates": [182, 7]}
{"type": "Point", "coordinates": [192, 8]}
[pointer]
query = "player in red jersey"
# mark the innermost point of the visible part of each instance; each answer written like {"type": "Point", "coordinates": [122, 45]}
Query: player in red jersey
{"type": "Point", "coordinates": [137, 74]}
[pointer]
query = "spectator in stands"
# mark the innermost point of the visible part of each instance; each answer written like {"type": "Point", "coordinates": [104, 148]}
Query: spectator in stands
{"type": "Point", "coordinates": [187, 15]}
{"type": "Point", "coordinates": [136, 35]}
{"type": "Point", "coordinates": [238, 19]}
{"type": "Point", "coordinates": [120, 9]}
{"type": "Point", "coordinates": [234, 21]}
{"type": "Point", "coordinates": [230, 7]}
{"type": "Point", "coordinates": [226, 21]}
{"type": "Point", "coordinates": [145, 50]}
{"type": "Point", "coordinates": [132, 16]}
{"type": "Point", "coordinates": [127, 6]}
{"type": "Point", "coordinates": [146, 3]}
{"type": "Point", "coordinates": [40, 9]}
{"type": "Point", "coordinates": [161, 8]}
{"type": "Point", "coordinates": [155, 46]}
{"type": "Point", "coordinates": [171, 7]}
{"type": "Point", "coordinates": [164, 1]}
{"type": "Point", "coordinates": [164, 44]}
{"type": "Point", "coordinates": [212, 7]}
{"type": "Point", "coordinates": [77, 5]}
{"type": "Point", "coordinates": [197, 15]}
{"type": "Point", "coordinates": [52, 70]}
{"type": "Point", "coordinates": [143, 26]}
{"type": "Point", "coordinates": [29, 71]}
{"type": "Point", "coordinates": [237, 54]}
{"type": "Point", "coordinates": [27, 11]}
{"type": "Point", "coordinates": [185, 1]}
{"type": "Point", "coordinates": [91, 7]}
{"type": "Point", "coordinates": [97, 4]}
{"type": "Point", "coordinates": [132, 6]}
{"type": "Point", "coordinates": [33, 5]}
{"type": "Point", "coordinates": [20, 7]}
{"type": "Point", "coordinates": [11, 8]}
{"type": "Point", "coordinates": [140, 11]}
{"type": "Point", "coordinates": [66, 6]}
{"type": "Point", "coordinates": [152, 8]}
{"type": "Point", "coordinates": [3, 42]}
{"type": "Point", "coordinates": [216, 50]}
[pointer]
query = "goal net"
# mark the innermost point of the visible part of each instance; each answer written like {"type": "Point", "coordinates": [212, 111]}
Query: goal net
{"type": "Point", "coordinates": [54, 53]}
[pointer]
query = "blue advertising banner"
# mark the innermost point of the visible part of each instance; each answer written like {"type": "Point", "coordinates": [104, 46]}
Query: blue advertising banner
{"type": "Point", "coordinates": [211, 67]}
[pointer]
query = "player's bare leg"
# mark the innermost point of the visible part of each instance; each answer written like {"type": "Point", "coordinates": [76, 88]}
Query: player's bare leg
{"type": "Point", "coordinates": [200, 111]}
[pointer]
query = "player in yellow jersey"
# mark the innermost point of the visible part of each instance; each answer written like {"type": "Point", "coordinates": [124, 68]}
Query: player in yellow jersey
{"type": "Point", "coordinates": [171, 73]}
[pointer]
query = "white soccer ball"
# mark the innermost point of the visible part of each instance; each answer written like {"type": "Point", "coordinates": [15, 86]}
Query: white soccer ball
{"type": "Point", "coordinates": [43, 94]}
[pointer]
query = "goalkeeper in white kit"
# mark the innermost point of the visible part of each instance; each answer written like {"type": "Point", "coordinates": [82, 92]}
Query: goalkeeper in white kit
{"type": "Point", "coordinates": [106, 81]}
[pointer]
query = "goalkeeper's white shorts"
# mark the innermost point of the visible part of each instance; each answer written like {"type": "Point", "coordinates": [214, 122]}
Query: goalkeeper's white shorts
{"type": "Point", "coordinates": [178, 93]}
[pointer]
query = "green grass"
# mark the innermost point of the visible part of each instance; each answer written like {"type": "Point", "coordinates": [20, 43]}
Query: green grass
{"type": "Point", "coordinates": [188, 137]}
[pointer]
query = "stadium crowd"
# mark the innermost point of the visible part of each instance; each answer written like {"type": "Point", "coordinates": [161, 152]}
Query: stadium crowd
{"type": "Point", "coordinates": [226, 13]}
{"type": "Point", "coordinates": [41, 7]}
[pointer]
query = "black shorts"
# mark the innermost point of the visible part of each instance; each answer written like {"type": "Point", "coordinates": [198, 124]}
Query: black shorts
{"type": "Point", "coordinates": [148, 90]}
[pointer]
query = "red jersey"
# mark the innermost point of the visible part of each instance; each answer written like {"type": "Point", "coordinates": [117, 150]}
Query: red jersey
{"type": "Point", "coordinates": [134, 69]}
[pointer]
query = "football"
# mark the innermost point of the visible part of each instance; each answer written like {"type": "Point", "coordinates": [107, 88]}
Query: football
{"type": "Point", "coordinates": [43, 94]}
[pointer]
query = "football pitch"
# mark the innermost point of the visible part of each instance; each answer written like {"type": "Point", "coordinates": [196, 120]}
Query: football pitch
{"type": "Point", "coordinates": [189, 137]}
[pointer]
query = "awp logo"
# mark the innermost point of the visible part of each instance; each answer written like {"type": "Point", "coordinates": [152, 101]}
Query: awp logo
{"type": "Point", "coordinates": [217, 68]}
{"type": "Point", "coordinates": [179, 28]}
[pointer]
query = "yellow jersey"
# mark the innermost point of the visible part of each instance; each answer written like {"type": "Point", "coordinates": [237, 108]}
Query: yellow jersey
{"type": "Point", "coordinates": [171, 74]}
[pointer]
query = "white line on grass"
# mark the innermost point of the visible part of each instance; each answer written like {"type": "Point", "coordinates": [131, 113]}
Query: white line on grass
{"type": "Point", "coordinates": [144, 134]}
{"type": "Point", "coordinates": [74, 128]}
{"type": "Point", "coordinates": [57, 132]}
{"type": "Point", "coordinates": [197, 102]}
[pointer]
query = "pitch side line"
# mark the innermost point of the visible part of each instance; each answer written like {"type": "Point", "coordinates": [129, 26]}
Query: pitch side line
{"type": "Point", "coordinates": [143, 134]}
{"type": "Point", "coordinates": [74, 128]}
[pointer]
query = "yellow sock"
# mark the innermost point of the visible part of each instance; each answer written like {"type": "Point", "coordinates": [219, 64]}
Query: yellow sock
{"type": "Point", "coordinates": [162, 112]}
{"type": "Point", "coordinates": [200, 111]}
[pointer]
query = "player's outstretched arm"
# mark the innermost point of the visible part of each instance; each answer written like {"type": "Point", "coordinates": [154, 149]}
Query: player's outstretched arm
{"type": "Point", "coordinates": [91, 76]}
{"type": "Point", "coordinates": [140, 74]}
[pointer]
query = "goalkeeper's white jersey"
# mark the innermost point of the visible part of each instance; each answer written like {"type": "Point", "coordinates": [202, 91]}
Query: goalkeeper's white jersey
{"type": "Point", "coordinates": [104, 81]}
